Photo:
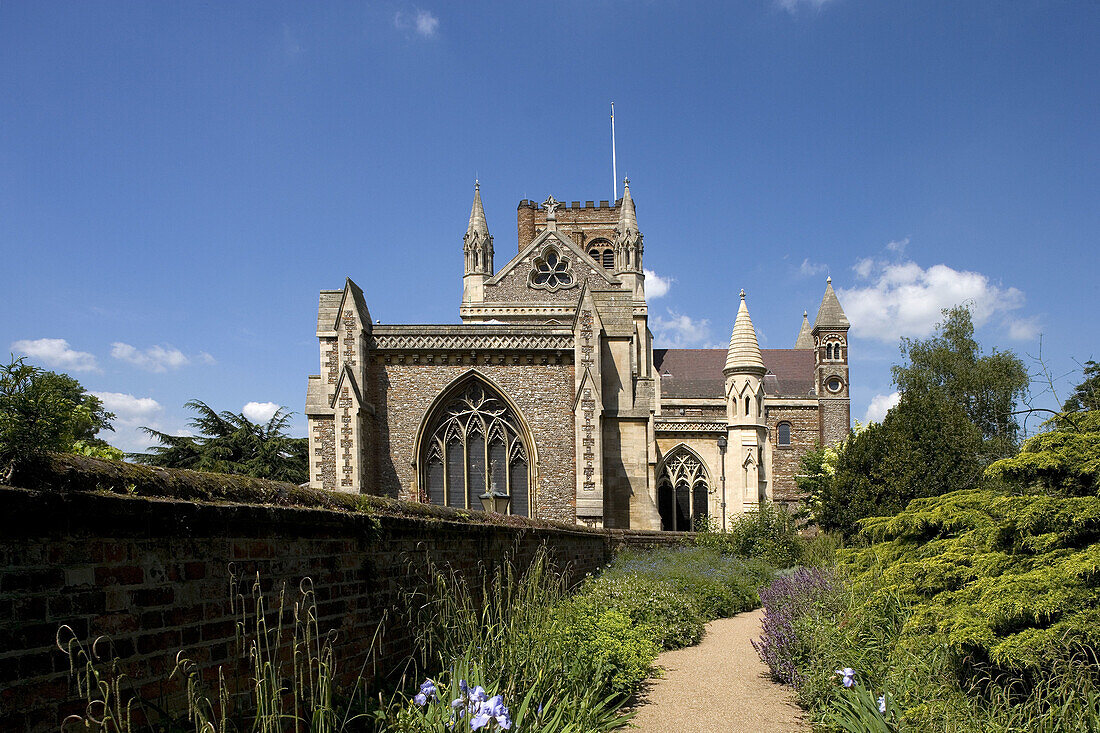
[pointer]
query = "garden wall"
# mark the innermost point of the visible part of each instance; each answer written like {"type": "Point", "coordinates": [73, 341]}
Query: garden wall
{"type": "Point", "coordinates": [154, 574]}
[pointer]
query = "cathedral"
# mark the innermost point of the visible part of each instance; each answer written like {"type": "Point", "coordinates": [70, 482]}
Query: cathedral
{"type": "Point", "coordinates": [549, 399]}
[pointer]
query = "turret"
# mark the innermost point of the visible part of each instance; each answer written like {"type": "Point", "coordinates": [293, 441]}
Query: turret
{"type": "Point", "coordinates": [830, 337]}
{"type": "Point", "coordinates": [628, 246]}
{"type": "Point", "coordinates": [805, 338]}
{"type": "Point", "coordinates": [477, 247]}
{"type": "Point", "coordinates": [747, 432]}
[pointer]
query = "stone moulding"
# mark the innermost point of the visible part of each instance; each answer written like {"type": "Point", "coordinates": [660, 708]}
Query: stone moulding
{"type": "Point", "coordinates": [701, 426]}
{"type": "Point", "coordinates": [469, 341]}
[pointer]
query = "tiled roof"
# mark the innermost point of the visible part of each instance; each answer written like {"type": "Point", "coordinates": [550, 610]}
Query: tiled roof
{"type": "Point", "coordinates": [698, 372]}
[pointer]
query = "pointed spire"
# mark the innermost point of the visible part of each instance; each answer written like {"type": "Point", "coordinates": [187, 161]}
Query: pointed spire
{"type": "Point", "coordinates": [805, 338]}
{"type": "Point", "coordinates": [744, 351]}
{"type": "Point", "coordinates": [628, 218]}
{"type": "Point", "coordinates": [830, 314]}
{"type": "Point", "coordinates": [477, 214]}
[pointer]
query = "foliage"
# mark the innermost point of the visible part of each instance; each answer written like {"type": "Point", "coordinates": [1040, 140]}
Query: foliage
{"type": "Point", "coordinates": [973, 611]}
{"type": "Point", "coordinates": [985, 387]}
{"type": "Point", "coordinates": [617, 648]}
{"type": "Point", "coordinates": [1086, 395]}
{"type": "Point", "coordinates": [229, 442]}
{"type": "Point", "coordinates": [924, 447]}
{"type": "Point", "coordinates": [43, 411]}
{"type": "Point", "coordinates": [1062, 460]}
{"type": "Point", "coordinates": [289, 685]}
{"type": "Point", "coordinates": [769, 533]}
{"type": "Point", "coordinates": [787, 600]}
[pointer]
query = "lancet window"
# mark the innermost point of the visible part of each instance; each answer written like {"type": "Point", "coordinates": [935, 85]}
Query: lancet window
{"type": "Point", "coordinates": [476, 446]}
{"type": "Point", "coordinates": [602, 251]}
{"type": "Point", "coordinates": [682, 492]}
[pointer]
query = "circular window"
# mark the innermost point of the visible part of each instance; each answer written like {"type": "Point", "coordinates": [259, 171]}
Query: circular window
{"type": "Point", "coordinates": [834, 384]}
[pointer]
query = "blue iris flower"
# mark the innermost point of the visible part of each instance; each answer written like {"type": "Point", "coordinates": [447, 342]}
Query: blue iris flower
{"type": "Point", "coordinates": [882, 704]}
{"type": "Point", "coordinates": [847, 676]}
{"type": "Point", "coordinates": [492, 709]}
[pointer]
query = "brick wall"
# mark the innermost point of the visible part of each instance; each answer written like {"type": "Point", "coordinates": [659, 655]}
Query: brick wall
{"type": "Point", "coordinates": [787, 461]}
{"type": "Point", "coordinates": [154, 575]}
{"type": "Point", "coordinates": [402, 389]}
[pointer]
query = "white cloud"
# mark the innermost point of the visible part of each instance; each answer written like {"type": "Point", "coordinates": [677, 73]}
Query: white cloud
{"type": "Point", "coordinates": [863, 268]}
{"type": "Point", "coordinates": [904, 299]}
{"type": "Point", "coordinates": [897, 246]}
{"type": "Point", "coordinates": [291, 46]}
{"type": "Point", "coordinates": [655, 285]}
{"type": "Point", "coordinates": [56, 353]}
{"type": "Point", "coordinates": [812, 268]}
{"type": "Point", "coordinates": [880, 405]}
{"type": "Point", "coordinates": [424, 22]}
{"type": "Point", "coordinates": [793, 6]}
{"type": "Point", "coordinates": [131, 413]}
{"type": "Point", "coordinates": [260, 412]}
{"type": "Point", "coordinates": [206, 358]}
{"type": "Point", "coordinates": [680, 332]}
{"type": "Point", "coordinates": [153, 359]}
{"type": "Point", "coordinates": [1023, 329]}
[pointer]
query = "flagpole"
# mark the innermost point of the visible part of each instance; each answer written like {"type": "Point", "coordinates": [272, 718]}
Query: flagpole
{"type": "Point", "coordinates": [614, 174]}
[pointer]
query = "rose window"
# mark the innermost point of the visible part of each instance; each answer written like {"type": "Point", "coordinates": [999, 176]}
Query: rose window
{"type": "Point", "coordinates": [552, 271]}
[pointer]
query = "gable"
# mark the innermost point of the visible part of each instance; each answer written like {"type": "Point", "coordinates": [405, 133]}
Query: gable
{"type": "Point", "coordinates": [548, 255]}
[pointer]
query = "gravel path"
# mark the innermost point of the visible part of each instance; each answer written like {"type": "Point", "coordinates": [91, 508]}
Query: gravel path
{"type": "Point", "coordinates": [719, 685]}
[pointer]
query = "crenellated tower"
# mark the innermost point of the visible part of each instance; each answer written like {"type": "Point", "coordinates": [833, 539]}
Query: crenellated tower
{"type": "Point", "coordinates": [830, 343]}
{"type": "Point", "coordinates": [747, 431]}
{"type": "Point", "coordinates": [477, 246]}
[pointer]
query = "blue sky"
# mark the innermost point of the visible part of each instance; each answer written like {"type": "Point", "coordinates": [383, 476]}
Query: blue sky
{"type": "Point", "coordinates": [178, 180]}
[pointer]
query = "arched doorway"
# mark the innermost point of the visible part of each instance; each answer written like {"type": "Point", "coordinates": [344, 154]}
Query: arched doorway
{"type": "Point", "coordinates": [683, 488]}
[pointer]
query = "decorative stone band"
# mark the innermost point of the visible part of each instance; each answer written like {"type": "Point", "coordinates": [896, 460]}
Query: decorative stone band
{"type": "Point", "coordinates": [473, 338]}
{"type": "Point", "coordinates": [693, 426]}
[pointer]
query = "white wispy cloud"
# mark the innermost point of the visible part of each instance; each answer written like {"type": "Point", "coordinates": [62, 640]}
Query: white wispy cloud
{"type": "Point", "coordinates": [655, 285]}
{"type": "Point", "coordinates": [206, 358]}
{"type": "Point", "coordinates": [793, 6]}
{"type": "Point", "coordinates": [897, 246]}
{"type": "Point", "coordinates": [808, 268]}
{"type": "Point", "coordinates": [880, 405]}
{"type": "Point", "coordinates": [678, 331]}
{"type": "Point", "coordinates": [153, 359]}
{"type": "Point", "coordinates": [1024, 329]}
{"type": "Point", "coordinates": [131, 413]}
{"type": "Point", "coordinates": [260, 412]}
{"type": "Point", "coordinates": [56, 353]}
{"type": "Point", "coordinates": [423, 22]}
{"type": "Point", "coordinates": [291, 46]}
{"type": "Point", "coordinates": [904, 299]}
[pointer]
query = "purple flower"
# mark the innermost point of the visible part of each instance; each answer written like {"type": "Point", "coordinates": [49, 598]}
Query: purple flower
{"type": "Point", "coordinates": [847, 676]}
{"type": "Point", "coordinates": [882, 704]}
{"type": "Point", "coordinates": [492, 709]}
{"type": "Point", "coordinates": [427, 692]}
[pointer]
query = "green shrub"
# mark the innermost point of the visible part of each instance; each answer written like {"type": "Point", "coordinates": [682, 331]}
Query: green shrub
{"type": "Point", "coordinates": [618, 651]}
{"type": "Point", "coordinates": [770, 533]}
{"type": "Point", "coordinates": [671, 620]}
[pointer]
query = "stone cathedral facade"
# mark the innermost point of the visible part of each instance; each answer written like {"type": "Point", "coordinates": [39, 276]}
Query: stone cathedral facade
{"type": "Point", "coordinates": [551, 393]}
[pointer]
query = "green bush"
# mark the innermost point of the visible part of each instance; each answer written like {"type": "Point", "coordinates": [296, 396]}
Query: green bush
{"type": "Point", "coordinates": [770, 534]}
{"type": "Point", "coordinates": [671, 620]}
{"type": "Point", "coordinates": [618, 651]}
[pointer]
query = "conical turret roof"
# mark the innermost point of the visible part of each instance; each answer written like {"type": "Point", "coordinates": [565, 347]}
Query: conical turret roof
{"type": "Point", "coordinates": [805, 338]}
{"type": "Point", "coordinates": [477, 225]}
{"type": "Point", "coordinates": [628, 218]}
{"type": "Point", "coordinates": [830, 314]}
{"type": "Point", "coordinates": [744, 351]}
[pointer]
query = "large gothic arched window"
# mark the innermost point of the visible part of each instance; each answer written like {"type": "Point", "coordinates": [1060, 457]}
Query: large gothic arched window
{"type": "Point", "coordinates": [682, 491]}
{"type": "Point", "coordinates": [474, 444]}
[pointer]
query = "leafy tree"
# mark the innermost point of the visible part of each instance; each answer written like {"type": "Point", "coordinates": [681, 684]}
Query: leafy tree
{"type": "Point", "coordinates": [229, 442]}
{"type": "Point", "coordinates": [1086, 396]}
{"type": "Point", "coordinates": [43, 411]}
{"type": "Point", "coordinates": [985, 387]}
{"type": "Point", "coordinates": [1065, 459]}
{"type": "Point", "coordinates": [926, 446]}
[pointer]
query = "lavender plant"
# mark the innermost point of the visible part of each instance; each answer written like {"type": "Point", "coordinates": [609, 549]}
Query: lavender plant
{"type": "Point", "coordinates": [787, 599]}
